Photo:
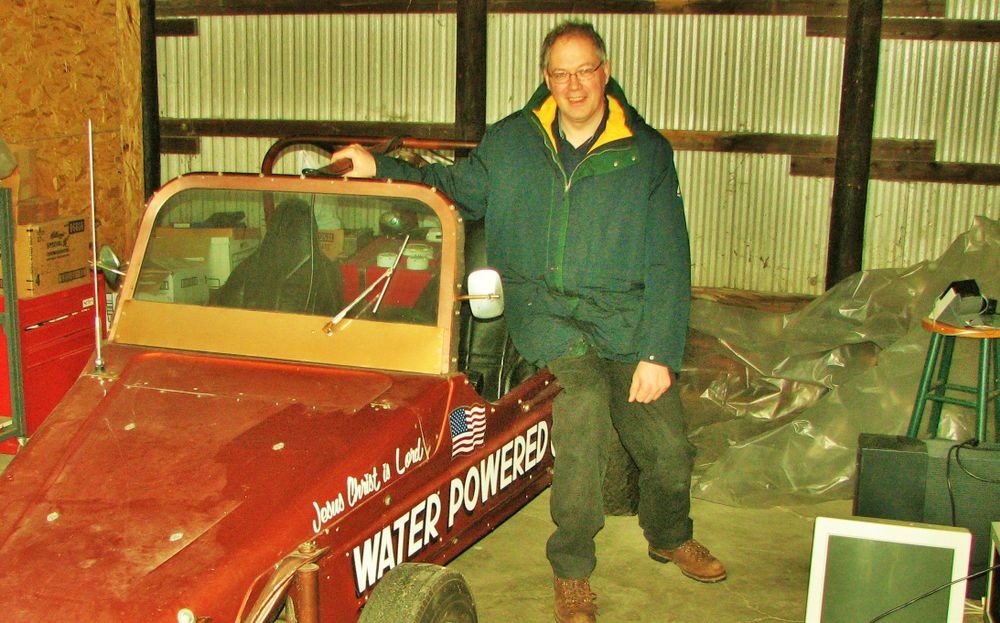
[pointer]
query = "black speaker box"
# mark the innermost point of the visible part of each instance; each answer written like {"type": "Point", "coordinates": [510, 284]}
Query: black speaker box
{"type": "Point", "coordinates": [974, 475]}
{"type": "Point", "coordinates": [923, 480]}
{"type": "Point", "coordinates": [891, 478]}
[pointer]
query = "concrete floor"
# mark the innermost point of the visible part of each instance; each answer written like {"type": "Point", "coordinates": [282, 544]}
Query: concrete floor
{"type": "Point", "coordinates": [766, 552]}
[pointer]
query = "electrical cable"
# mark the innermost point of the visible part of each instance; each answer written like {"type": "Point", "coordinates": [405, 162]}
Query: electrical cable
{"type": "Point", "coordinates": [958, 461]}
{"type": "Point", "coordinates": [932, 591]}
{"type": "Point", "coordinates": [957, 448]}
{"type": "Point", "coordinates": [947, 480]}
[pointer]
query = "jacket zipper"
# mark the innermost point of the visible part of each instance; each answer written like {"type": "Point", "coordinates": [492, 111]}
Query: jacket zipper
{"type": "Point", "coordinates": [567, 184]}
{"type": "Point", "coordinates": [563, 225]}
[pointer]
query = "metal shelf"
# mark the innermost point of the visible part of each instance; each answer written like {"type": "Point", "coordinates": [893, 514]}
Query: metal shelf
{"type": "Point", "coordinates": [14, 426]}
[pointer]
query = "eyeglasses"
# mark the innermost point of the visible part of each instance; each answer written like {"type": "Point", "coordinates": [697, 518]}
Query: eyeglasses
{"type": "Point", "coordinates": [583, 74]}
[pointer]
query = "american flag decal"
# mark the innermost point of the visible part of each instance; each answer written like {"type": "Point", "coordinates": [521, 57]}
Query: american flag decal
{"type": "Point", "coordinates": [468, 429]}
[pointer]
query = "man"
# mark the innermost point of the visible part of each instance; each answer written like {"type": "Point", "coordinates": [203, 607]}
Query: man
{"type": "Point", "coordinates": [585, 222]}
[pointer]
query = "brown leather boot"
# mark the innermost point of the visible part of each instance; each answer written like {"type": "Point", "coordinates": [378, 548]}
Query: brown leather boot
{"type": "Point", "coordinates": [693, 559]}
{"type": "Point", "coordinates": [575, 602]}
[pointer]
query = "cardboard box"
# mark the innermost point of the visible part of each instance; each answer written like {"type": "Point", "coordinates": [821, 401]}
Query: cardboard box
{"type": "Point", "coordinates": [224, 254]}
{"type": "Point", "coordinates": [176, 281]}
{"type": "Point", "coordinates": [219, 255]}
{"type": "Point", "coordinates": [36, 210]}
{"type": "Point", "coordinates": [51, 256]}
{"type": "Point", "coordinates": [356, 240]}
{"type": "Point", "coordinates": [181, 229]}
{"type": "Point", "coordinates": [331, 242]}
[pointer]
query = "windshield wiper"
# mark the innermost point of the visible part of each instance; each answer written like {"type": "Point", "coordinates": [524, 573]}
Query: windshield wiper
{"type": "Point", "coordinates": [386, 277]}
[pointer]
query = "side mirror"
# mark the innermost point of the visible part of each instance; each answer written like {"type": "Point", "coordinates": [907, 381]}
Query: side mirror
{"type": "Point", "coordinates": [485, 293]}
{"type": "Point", "coordinates": [110, 266]}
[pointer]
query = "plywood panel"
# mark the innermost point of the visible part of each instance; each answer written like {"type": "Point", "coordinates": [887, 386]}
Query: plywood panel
{"type": "Point", "coordinates": [62, 64]}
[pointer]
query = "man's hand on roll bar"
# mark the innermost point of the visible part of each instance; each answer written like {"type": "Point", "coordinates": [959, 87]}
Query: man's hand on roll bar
{"type": "Point", "coordinates": [361, 159]}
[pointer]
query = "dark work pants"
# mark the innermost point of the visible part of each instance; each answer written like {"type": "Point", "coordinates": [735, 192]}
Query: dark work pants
{"type": "Point", "coordinates": [585, 414]}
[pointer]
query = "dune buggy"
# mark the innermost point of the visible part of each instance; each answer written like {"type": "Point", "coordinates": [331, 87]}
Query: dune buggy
{"type": "Point", "coordinates": [294, 413]}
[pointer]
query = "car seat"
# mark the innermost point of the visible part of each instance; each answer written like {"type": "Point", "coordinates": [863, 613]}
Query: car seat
{"type": "Point", "coordinates": [486, 353]}
{"type": "Point", "coordinates": [288, 272]}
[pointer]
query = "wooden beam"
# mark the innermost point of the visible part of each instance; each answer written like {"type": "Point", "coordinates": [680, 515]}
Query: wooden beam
{"type": "Point", "coordinates": [177, 27]}
{"type": "Point", "coordinates": [794, 144]}
{"type": "Point", "coordinates": [903, 171]}
{"type": "Point", "coordinates": [186, 145]}
{"type": "Point", "coordinates": [773, 302]}
{"type": "Point", "coordinates": [174, 8]}
{"type": "Point", "coordinates": [895, 8]}
{"type": "Point", "coordinates": [914, 8]}
{"type": "Point", "coordinates": [892, 159]}
{"type": "Point", "coordinates": [276, 128]}
{"type": "Point", "coordinates": [909, 150]}
{"type": "Point", "coordinates": [920, 29]}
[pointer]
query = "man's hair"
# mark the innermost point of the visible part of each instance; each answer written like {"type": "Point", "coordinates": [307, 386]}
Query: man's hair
{"type": "Point", "coordinates": [572, 29]}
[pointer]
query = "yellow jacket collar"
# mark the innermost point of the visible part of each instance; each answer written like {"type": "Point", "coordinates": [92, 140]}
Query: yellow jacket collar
{"type": "Point", "coordinates": [615, 129]}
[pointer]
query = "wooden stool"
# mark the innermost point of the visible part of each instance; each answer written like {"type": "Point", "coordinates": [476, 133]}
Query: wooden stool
{"type": "Point", "coordinates": [987, 388]}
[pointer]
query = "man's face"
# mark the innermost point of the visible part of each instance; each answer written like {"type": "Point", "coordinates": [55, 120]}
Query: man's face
{"type": "Point", "coordinates": [580, 100]}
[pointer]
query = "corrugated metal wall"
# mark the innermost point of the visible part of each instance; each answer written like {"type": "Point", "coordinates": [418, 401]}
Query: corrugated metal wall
{"type": "Point", "coordinates": [342, 67]}
{"type": "Point", "coordinates": [753, 226]}
{"type": "Point", "coordinates": [973, 9]}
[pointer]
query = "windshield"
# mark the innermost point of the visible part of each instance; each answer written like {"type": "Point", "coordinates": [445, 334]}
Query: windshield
{"type": "Point", "coordinates": [295, 252]}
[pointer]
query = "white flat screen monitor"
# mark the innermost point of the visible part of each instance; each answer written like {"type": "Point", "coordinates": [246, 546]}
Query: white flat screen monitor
{"type": "Point", "coordinates": [862, 568]}
{"type": "Point", "coordinates": [991, 611]}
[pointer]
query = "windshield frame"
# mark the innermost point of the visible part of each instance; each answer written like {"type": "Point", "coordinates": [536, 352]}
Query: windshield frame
{"type": "Point", "coordinates": [284, 336]}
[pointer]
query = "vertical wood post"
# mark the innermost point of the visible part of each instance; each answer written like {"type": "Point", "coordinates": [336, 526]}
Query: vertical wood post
{"type": "Point", "coordinates": [854, 139]}
{"type": "Point", "coordinates": [150, 98]}
{"type": "Point", "coordinates": [470, 67]}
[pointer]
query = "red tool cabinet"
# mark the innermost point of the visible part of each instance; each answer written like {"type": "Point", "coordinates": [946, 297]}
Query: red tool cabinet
{"type": "Point", "coordinates": [57, 340]}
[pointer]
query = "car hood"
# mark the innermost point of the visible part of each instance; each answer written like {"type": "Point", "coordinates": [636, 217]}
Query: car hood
{"type": "Point", "coordinates": [178, 481]}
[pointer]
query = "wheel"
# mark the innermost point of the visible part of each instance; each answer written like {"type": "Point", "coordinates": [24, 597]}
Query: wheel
{"type": "Point", "coordinates": [621, 482]}
{"type": "Point", "coordinates": [420, 593]}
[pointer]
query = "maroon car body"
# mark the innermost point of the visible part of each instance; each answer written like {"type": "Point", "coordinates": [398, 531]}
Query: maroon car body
{"type": "Point", "coordinates": [223, 439]}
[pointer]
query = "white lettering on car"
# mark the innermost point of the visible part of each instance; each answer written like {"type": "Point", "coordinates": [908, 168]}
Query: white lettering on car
{"type": "Point", "coordinates": [497, 471]}
{"type": "Point", "coordinates": [506, 465]}
{"type": "Point", "coordinates": [415, 530]}
{"type": "Point", "coordinates": [413, 456]}
{"type": "Point", "coordinates": [406, 536]}
{"type": "Point", "coordinates": [489, 470]}
{"type": "Point", "coordinates": [329, 510]}
{"type": "Point", "coordinates": [358, 488]}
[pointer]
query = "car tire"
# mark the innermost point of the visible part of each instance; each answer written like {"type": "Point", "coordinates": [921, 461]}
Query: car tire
{"type": "Point", "coordinates": [420, 593]}
{"type": "Point", "coordinates": [621, 481]}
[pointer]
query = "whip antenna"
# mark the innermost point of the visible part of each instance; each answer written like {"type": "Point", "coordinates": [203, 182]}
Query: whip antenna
{"type": "Point", "coordinates": [98, 359]}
